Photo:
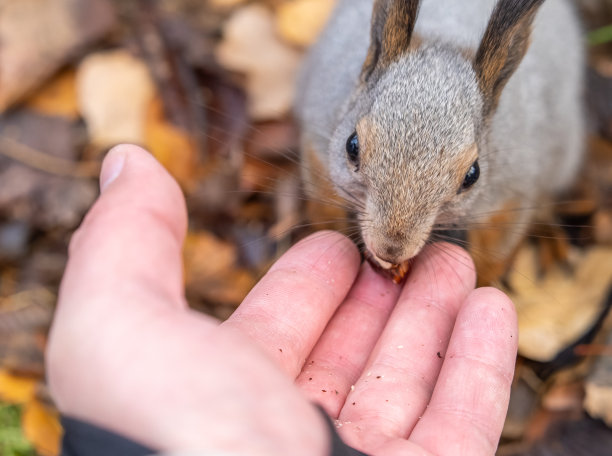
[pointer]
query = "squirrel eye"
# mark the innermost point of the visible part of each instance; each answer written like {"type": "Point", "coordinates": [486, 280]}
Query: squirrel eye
{"type": "Point", "coordinates": [471, 177]}
{"type": "Point", "coordinates": [352, 149]}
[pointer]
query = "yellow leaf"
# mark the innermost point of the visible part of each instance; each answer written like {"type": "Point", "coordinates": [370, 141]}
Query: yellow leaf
{"type": "Point", "coordinates": [58, 97]}
{"type": "Point", "coordinates": [16, 389]}
{"type": "Point", "coordinates": [205, 255]}
{"type": "Point", "coordinates": [250, 46]}
{"type": "Point", "coordinates": [211, 272]}
{"type": "Point", "coordinates": [170, 145]}
{"type": "Point", "coordinates": [300, 21]}
{"type": "Point", "coordinates": [225, 4]}
{"type": "Point", "coordinates": [549, 318]}
{"type": "Point", "coordinates": [114, 90]}
{"type": "Point", "coordinates": [42, 428]}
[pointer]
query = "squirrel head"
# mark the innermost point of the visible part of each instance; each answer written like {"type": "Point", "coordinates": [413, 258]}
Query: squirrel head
{"type": "Point", "coordinates": [412, 145]}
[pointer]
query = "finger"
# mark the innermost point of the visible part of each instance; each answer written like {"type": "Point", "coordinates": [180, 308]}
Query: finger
{"type": "Point", "coordinates": [470, 400]}
{"type": "Point", "coordinates": [288, 309]}
{"type": "Point", "coordinates": [124, 266]}
{"type": "Point", "coordinates": [401, 373]}
{"type": "Point", "coordinates": [343, 349]}
{"type": "Point", "coordinates": [131, 238]}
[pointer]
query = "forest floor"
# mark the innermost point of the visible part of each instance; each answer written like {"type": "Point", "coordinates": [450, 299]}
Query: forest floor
{"type": "Point", "coordinates": [207, 87]}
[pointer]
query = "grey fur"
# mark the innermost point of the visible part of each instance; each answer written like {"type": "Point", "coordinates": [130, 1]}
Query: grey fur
{"type": "Point", "coordinates": [424, 115]}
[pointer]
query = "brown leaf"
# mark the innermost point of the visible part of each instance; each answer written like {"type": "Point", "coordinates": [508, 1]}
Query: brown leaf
{"type": "Point", "coordinates": [299, 22]}
{"type": "Point", "coordinates": [58, 97]}
{"type": "Point", "coordinates": [172, 146]}
{"type": "Point", "coordinates": [42, 150]}
{"type": "Point", "coordinates": [603, 226]}
{"type": "Point", "coordinates": [39, 36]}
{"type": "Point", "coordinates": [24, 321]}
{"type": "Point", "coordinates": [16, 389]}
{"type": "Point", "coordinates": [115, 91]}
{"type": "Point", "coordinates": [42, 428]}
{"type": "Point", "coordinates": [207, 256]}
{"type": "Point", "coordinates": [251, 47]}
{"type": "Point", "coordinates": [26, 311]}
{"type": "Point", "coordinates": [548, 314]}
{"type": "Point", "coordinates": [225, 4]}
{"type": "Point", "coordinates": [211, 272]}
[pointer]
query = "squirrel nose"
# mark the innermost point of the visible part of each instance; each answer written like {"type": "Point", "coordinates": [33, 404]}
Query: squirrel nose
{"type": "Point", "coordinates": [387, 255]}
{"type": "Point", "coordinates": [390, 260]}
{"type": "Point", "coordinates": [391, 252]}
{"type": "Point", "coordinates": [382, 262]}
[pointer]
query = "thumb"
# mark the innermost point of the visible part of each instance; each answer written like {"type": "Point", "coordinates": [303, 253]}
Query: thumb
{"type": "Point", "coordinates": [131, 238]}
{"type": "Point", "coordinates": [124, 267]}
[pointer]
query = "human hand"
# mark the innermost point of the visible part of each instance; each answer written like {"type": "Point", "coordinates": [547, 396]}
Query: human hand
{"type": "Point", "coordinates": [127, 354]}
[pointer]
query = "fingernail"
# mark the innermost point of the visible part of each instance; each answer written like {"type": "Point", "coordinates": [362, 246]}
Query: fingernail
{"type": "Point", "coordinates": [111, 168]}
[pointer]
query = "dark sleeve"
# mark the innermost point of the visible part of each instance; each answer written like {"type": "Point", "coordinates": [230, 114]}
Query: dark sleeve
{"type": "Point", "coordinates": [339, 448]}
{"type": "Point", "coordinates": [83, 439]}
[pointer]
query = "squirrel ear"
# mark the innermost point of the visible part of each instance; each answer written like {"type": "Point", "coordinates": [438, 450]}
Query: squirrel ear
{"type": "Point", "coordinates": [392, 26]}
{"type": "Point", "coordinates": [503, 46]}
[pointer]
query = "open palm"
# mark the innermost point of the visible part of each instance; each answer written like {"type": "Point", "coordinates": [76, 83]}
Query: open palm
{"type": "Point", "coordinates": [419, 369]}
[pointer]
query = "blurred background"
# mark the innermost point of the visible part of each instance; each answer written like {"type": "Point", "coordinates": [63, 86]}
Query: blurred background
{"type": "Point", "coordinates": [207, 86]}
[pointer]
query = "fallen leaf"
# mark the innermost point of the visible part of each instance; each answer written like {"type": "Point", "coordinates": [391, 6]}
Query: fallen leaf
{"type": "Point", "coordinates": [211, 271]}
{"type": "Point", "coordinates": [37, 177]}
{"type": "Point", "coordinates": [42, 428]}
{"type": "Point", "coordinates": [251, 47]}
{"type": "Point", "coordinates": [300, 21]}
{"type": "Point", "coordinates": [603, 226]}
{"type": "Point", "coordinates": [115, 90]}
{"type": "Point", "coordinates": [225, 4]}
{"type": "Point", "coordinates": [27, 310]}
{"type": "Point", "coordinates": [523, 401]}
{"type": "Point", "coordinates": [556, 310]}
{"type": "Point", "coordinates": [598, 386]}
{"type": "Point", "coordinates": [171, 145]}
{"type": "Point", "coordinates": [39, 36]}
{"type": "Point", "coordinates": [207, 256]}
{"type": "Point", "coordinates": [16, 389]}
{"type": "Point", "coordinates": [58, 97]}
{"type": "Point", "coordinates": [564, 397]}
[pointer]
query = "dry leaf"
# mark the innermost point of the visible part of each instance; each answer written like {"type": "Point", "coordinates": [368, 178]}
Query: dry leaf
{"type": "Point", "coordinates": [170, 145]}
{"type": "Point", "coordinates": [556, 310]}
{"type": "Point", "coordinates": [603, 226]}
{"type": "Point", "coordinates": [58, 97]}
{"type": "Point", "coordinates": [300, 21]}
{"type": "Point", "coordinates": [211, 272]}
{"type": "Point", "coordinates": [225, 4]}
{"type": "Point", "coordinates": [16, 389]}
{"type": "Point", "coordinates": [250, 47]}
{"type": "Point", "coordinates": [206, 255]}
{"type": "Point", "coordinates": [564, 397]}
{"type": "Point", "coordinates": [42, 428]}
{"type": "Point", "coordinates": [114, 91]}
{"type": "Point", "coordinates": [24, 320]}
{"type": "Point", "coordinates": [42, 150]}
{"type": "Point", "coordinates": [39, 36]}
{"type": "Point", "coordinates": [523, 401]}
{"type": "Point", "coordinates": [598, 387]}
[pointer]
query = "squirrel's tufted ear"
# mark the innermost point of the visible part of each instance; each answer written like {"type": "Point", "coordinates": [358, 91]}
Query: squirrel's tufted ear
{"type": "Point", "coordinates": [503, 46]}
{"type": "Point", "coordinates": [392, 26]}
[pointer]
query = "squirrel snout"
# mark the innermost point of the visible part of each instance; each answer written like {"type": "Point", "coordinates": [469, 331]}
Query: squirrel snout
{"type": "Point", "coordinates": [383, 263]}
{"type": "Point", "coordinates": [390, 252]}
{"type": "Point", "coordinates": [387, 255]}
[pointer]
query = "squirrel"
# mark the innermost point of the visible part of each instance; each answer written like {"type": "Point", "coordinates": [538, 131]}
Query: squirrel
{"type": "Point", "coordinates": [433, 116]}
